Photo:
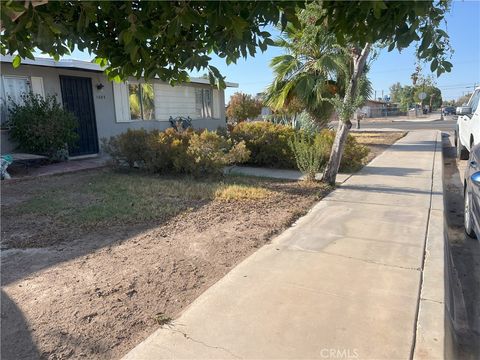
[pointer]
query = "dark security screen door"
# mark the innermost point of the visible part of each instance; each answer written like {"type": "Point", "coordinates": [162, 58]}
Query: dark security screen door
{"type": "Point", "coordinates": [77, 98]}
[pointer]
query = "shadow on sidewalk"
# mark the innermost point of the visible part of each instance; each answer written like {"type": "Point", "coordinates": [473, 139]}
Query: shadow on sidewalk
{"type": "Point", "coordinates": [389, 190]}
{"type": "Point", "coordinates": [389, 171]}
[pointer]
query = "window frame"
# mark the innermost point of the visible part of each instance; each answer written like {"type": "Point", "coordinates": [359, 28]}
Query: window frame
{"type": "Point", "coordinates": [206, 109]}
{"type": "Point", "coordinates": [3, 95]}
{"type": "Point", "coordinates": [15, 77]}
{"type": "Point", "coordinates": [140, 98]}
{"type": "Point", "coordinates": [475, 98]}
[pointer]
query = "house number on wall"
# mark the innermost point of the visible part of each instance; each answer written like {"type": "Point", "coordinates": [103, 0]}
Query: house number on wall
{"type": "Point", "coordinates": [101, 97]}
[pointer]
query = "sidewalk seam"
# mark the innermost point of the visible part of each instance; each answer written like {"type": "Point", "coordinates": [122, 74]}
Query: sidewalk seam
{"type": "Point", "coordinates": [370, 261]}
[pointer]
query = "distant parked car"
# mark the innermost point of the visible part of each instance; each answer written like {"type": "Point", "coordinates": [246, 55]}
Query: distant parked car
{"type": "Point", "coordinates": [449, 110]}
{"type": "Point", "coordinates": [468, 125]}
{"type": "Point", "coordinates": [472, 194]}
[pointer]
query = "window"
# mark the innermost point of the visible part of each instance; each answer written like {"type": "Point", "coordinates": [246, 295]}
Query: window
{"type": "Point", "coordinates": [203, 103]}
{"type": "Point", "coordinates": [12, 89]}
{"type": "Point", "coordinates": [474, 100]}
{"type": "Point", "coordinates": [141, 99]}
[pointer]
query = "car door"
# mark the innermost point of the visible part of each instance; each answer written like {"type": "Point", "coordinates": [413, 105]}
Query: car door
{"type": "Point", "coordinates": [474, 188]}
{"type": "Point", "coordinates": [475, 119]}
{"type": "Point", "coordinates": [467, 123]}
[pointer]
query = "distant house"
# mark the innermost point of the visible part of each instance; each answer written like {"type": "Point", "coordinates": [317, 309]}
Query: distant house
{"type": "Point", "coordinates": [266, 111]}
{"type": "Point", "coordinates": [376, 108]}
{"type": "Point", "coordinates": [373, 108]}
{"type": "Point", "coordinates": [106, 108]}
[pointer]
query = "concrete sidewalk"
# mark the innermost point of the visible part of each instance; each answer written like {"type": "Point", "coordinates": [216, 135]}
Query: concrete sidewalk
{"type": "Point", "coordinates": [346, 281]}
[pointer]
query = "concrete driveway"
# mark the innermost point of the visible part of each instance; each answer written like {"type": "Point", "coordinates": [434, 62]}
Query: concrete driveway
{"type": "Point", "coordinates": [348, 280]}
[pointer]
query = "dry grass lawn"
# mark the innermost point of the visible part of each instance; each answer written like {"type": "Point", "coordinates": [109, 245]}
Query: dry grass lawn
{"type": "Point", "coordinates": [92, 262]}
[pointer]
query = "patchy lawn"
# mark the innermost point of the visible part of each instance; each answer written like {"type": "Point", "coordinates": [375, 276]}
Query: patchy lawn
{"type": "Point", "coordinates": [377, 141]}
{"type": "Point", "coordinates": [93, 262]}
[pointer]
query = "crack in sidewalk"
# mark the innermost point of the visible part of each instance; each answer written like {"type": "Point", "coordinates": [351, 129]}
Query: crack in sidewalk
{"type": "Point", "coordinates": [372, 262]}
{"type": "Point", "coordinates": [188, 337]}
{"type": "Point", "coordinates": [434, 301]}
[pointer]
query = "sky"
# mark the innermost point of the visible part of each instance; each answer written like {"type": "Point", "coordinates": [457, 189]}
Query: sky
{"type": "Point", "coordinates": [462, 25]}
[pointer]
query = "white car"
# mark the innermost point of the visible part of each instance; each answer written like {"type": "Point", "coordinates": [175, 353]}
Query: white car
{"type": "Point", "coordinates": [468, 126]}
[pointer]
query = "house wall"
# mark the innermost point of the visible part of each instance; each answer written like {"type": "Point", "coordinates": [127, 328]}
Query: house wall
{"type": "Point", "coordinates": [173, 101]}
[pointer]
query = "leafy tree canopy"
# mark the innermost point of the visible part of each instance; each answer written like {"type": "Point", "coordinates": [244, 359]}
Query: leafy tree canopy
{"type": "Point", "coordinates": [314, 70]}
{"type": "Point", "coordinates": [243, 107]}
{"type": "Point", "coordinates": [167, 39]}
{"type": "Point", "coordinates": [407, 95]}
{"type": "Point", "coordinates": [395, 24]}
{"type": "Point", "coordinates": [144, 38]}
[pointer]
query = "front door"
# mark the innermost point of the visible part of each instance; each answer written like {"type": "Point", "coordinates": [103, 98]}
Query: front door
{"type": "Point", "coordinates": [77, 98]}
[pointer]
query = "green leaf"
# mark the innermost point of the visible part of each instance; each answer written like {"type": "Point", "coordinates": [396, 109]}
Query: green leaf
{"type": "Point", "coordinates": [447, 65]}
{"type": "Point", "coordinates": [16, 61]}
{"type": "Point", "coordinates": [434, 65]}
{"type": "Point", "coordinates": [269, 42]}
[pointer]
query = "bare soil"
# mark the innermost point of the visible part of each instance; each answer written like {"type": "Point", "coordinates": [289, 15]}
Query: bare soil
{"type": "Point", "coordinates": [94, 262]}
{"type": "Point", "coordinates": [95, 291]}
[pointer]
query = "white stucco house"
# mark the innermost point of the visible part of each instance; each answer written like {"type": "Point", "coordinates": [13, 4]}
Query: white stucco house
{"type": "Point", "coordinates": [105, 108]}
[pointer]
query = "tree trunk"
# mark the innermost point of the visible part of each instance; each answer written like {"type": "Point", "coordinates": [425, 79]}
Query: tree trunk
{"type": "Point", "coordinates": [344, 125]}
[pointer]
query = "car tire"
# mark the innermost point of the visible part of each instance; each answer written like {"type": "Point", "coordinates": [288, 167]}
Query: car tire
{"type": "Point", "coordinates": [462, 152]}
{"type": "Point", "coordinates": [468, 219]}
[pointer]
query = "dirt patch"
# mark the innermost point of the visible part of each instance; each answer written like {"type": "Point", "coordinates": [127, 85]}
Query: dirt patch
{"type": "Point", "coordinates": [377, 141]}
{"type": "Point", "coordinates": [96, 291]}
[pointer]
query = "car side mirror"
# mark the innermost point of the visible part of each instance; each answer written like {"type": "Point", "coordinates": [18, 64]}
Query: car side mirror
{"type": "Point", "coordinates": [464, 110]}
{"type": "Point", "coordinates": [476, 178]}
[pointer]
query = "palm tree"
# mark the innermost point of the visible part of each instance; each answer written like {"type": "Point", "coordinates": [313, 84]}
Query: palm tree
{"type": "Point", "coordinates": [323, 75]}
{"type": "Point", "coordinates": [313, 71]}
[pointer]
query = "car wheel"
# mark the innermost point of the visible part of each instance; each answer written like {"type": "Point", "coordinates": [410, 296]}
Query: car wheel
{"type": "Point", "coordinates": [462, 152]}
{"type": "Point", "coordinates": [468, 219]}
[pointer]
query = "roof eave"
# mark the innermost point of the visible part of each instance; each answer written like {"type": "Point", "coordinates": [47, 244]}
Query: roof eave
{"type": "Point", "coordinates": [88, 66]}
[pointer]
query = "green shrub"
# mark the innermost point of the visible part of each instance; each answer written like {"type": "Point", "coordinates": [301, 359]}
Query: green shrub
{"type": "Point", "coordinates": [129, 147]}
{"type": "Point", "coordinates": [311, 154]}
{"type": "Point", "coordinates": [189, 152]}
{"type": "Point", "coordinates": [353, 154]}
{"type": "Point", "coordinates": [166, 150]}
{"type": "Point", "coordinates": [268, 143]}
{"type": "Point", "coordinates": [41, 126]}
{"type": "Point", "coordinates": [208, 153]}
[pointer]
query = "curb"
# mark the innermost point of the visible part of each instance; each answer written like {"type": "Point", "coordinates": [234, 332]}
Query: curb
{"type": "Point", "coordinates": [430, 330]}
